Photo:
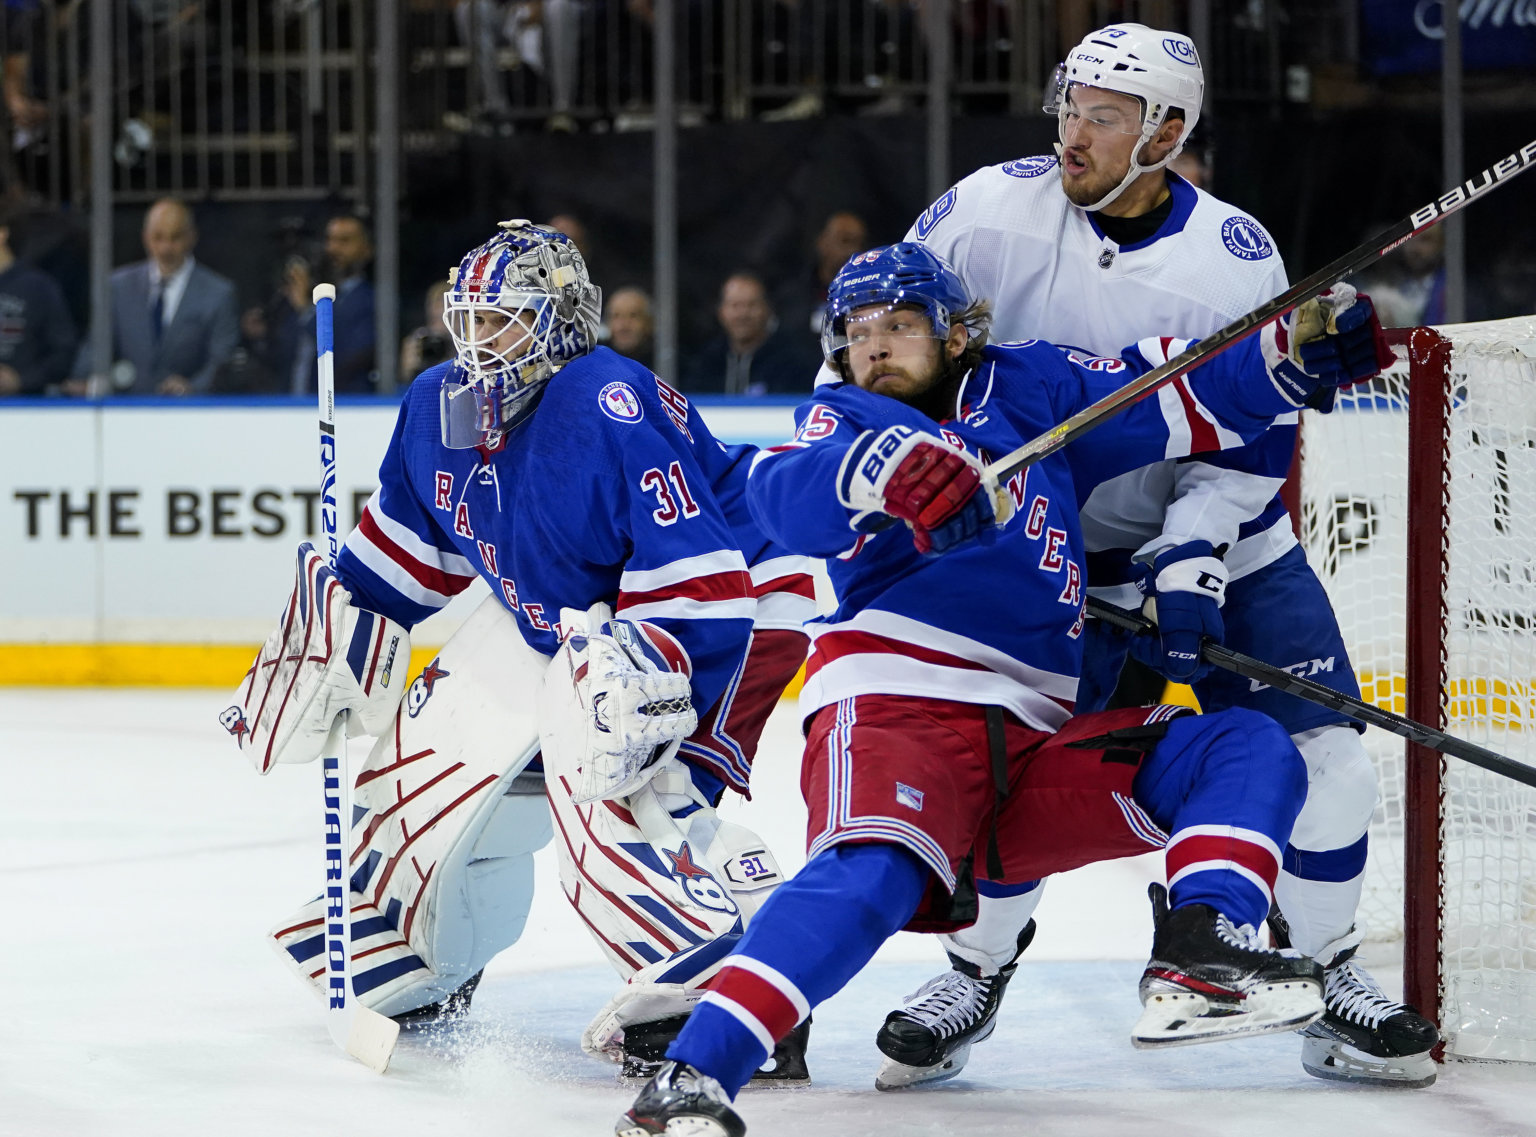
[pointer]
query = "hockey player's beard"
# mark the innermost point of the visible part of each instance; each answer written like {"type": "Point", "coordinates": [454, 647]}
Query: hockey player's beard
{"type": "Point", "coordinates": [937, 399]}
{"type": "Point", "coordinates": [1088, 186]}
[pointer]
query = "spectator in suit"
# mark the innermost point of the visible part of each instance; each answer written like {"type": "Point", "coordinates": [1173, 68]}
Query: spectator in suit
{"type": "Point", "coordinates": [174, 321]}
{"type": "Point", "coordinates": [37, 336]}
{"type": "Point", "coordinates": [752, 355]}
{"type": "Point", "coordinates": [630, 324]}
{"type": "Point", "coordinates": [282, 335]}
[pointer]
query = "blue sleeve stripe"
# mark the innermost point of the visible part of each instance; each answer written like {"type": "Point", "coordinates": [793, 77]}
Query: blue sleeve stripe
{"type": "Point", "coordinates": [1334, 866]}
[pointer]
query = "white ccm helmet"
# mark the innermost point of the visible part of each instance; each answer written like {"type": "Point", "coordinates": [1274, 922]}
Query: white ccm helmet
{"type": "Point", "coordinates": [1160, 69]}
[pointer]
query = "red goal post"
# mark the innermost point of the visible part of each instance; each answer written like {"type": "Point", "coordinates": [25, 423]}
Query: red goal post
{"type": "Point", "coordinates": [1417, 506]}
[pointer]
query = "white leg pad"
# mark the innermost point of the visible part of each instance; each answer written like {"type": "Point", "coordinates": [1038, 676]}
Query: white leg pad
{"type": "Point", "coordinates": [446, 844]}
{"type": "Point", "coordinates": [717, 884]}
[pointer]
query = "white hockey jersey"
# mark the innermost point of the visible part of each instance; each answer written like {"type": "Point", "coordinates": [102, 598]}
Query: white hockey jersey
{"type": "Point", "coordinates": [1052, 274]}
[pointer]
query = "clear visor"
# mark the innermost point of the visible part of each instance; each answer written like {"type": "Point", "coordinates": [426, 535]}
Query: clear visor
{"type": "Point", "coordinates": [1094, 109]}
{"type": "Point", "coordinates": [489, 337]}
{"type": "Point", "coordinates": [876, 326]}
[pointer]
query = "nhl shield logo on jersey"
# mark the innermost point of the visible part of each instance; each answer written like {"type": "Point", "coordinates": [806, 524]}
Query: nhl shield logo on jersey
{"type": "Point", "coordinates": [422, 686]}
{"type": "Point", "coordinates": [1245, 240]}
{"type": "Point", "coordinates": [619, 402]}
{"type": "Point", "coordinates": [1031, 167]}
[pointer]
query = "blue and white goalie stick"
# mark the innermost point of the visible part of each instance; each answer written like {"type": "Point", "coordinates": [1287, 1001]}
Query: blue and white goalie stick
{"type": "Point", "coordinates": [365, 1034]}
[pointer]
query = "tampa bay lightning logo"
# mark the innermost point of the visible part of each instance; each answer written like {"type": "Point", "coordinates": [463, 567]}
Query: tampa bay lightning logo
{"type": "Point", "coordinates": [1181, 50]}
{"type": "Point", "coordinates": [421, 688]}
{"type": "Point", "coordinates": [1031, 167]}
{"type": "Point", "coordinates": [935, 213]}
{"type": "Point", "coordinates": [620, 402]}
{"type": "Point", "coordinates": [1245, 240]}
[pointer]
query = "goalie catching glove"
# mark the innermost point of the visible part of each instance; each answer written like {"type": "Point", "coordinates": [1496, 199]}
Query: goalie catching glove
{"type": "Point", "coordinates": [944, 494]}
{"type": "Point", "coordinates": [617, 694]}
{"type": "Point", "coordinates": [1184, 588]}
{"type": "Point", "coordinates": [324, 657]}
{"type": "Point", "coordinates": [1331, 341]}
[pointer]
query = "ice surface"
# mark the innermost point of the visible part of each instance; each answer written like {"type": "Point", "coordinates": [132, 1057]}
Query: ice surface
{"type": "Point", "coordinates": [142, 860]}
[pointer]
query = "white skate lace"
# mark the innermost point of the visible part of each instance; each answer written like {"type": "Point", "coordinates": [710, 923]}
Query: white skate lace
{"type": "Point", "coordinates": [1244, 936]}
{"type": "Point", "coordinates": [1352, 994]}
{"type": "Point", "coordinates": [685, 1079]}
{"type": "Point", "coordinates": [948, 1003]}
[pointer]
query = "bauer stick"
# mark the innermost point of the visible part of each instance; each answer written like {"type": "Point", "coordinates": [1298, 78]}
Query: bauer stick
{"type": "Point", "coordinates": [1218, 341]}
{"type": "Point", "coordinates": [1245, 665]}
{"type": "Point", "coordinates": [363, 1033]}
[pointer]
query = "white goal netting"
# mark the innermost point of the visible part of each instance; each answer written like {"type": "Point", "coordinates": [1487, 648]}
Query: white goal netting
{"type": "Point", "coordinates": [1355, 524]}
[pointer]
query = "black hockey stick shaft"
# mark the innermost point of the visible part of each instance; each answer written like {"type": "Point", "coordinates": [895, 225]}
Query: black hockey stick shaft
{"type": "Point", "coordinates": [1218, 341]}
{"type": "Point", "coordinates": [1248, 667]}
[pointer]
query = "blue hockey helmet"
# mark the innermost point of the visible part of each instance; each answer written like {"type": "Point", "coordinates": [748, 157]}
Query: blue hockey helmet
{"type": "Point", "coordinates": [893, 276]}
{"type": "Point", "coordinates": [519, 307]}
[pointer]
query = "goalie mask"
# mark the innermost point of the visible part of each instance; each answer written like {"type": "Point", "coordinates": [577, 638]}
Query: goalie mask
{"type": "Point", "coordinates": [895, 276]}
{"type": "Point", "coordinates": [1161, 70]}
{"type": "Point", "coordinates": [519, 308]}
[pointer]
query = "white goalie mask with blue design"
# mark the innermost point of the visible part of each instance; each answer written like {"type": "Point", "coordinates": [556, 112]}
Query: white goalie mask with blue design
{"type": "Point", "coordinates": [519, 308]}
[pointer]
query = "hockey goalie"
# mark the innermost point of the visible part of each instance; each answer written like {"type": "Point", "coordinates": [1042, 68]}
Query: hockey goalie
{"type": "Point", "coordinates": [608, 693]}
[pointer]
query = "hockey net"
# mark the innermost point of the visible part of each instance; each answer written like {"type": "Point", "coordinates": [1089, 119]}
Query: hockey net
{"type": "Point", "coordinates": [1418, 511]}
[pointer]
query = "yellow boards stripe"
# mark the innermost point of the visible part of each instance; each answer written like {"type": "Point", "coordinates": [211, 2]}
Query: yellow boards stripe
{"type": "Point", "coordinates": [155, 665]}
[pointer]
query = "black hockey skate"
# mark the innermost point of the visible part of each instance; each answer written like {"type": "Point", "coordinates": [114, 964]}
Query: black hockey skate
{"type": "Point", "coordinates": [645, 1052]}
{"type": "Point", "coordinates": [930, 1038]}
{"type": "Point", "coordinates": [451, 1009]}
{"type": "Point", "coordinates": [1366, 1037]}
{"type": "Point", "coordinates": [679, 1100]}
{"type": "Point", "coordinates": [1208, 981]}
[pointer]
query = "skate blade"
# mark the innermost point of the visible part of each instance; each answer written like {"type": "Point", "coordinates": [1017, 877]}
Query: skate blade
{"type": "Point", "coordinates": [1339, 1062]}
{"type": "Point", "coordinates": [896, 1075]}
{"type": "Point", "coordinates": [677, 1127]}
{"type": "Point", "coordinates": [1184, 1018]}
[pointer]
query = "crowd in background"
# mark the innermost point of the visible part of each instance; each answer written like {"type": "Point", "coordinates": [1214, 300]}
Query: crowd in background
{"type": "Point", "coordinates": [181, 326]}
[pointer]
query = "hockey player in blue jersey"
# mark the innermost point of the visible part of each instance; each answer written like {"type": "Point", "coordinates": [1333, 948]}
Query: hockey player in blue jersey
{"type": "Point", "coordinates": [1097, 248]}
{"type": "Point", "coordinates": [941, 741]}
{"type": "Point", "coordinates": [639, 629]}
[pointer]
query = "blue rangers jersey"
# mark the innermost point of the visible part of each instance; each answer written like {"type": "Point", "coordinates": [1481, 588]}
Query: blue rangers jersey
{"type": "Point", "coordinates": [613, 490]}
{"type": "Point", "coordinates": [1052, 273]}
{"type": "Point", "coordinates": [997, 623]}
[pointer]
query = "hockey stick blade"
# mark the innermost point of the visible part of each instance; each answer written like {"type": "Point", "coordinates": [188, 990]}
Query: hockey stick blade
{"type": "Point", "coordinates": [1425, 217]}
{"type": "Point", "coordinates": [1282, 680]}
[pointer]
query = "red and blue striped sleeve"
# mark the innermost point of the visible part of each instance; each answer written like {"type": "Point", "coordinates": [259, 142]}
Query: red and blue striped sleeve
{"type": "Point", "coordinates": [399, 561]}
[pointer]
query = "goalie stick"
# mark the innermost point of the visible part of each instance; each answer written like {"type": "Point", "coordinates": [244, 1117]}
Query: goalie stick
{"type": "Point", "coordinates": [365, 1034]}
{"type": "Point", "coordinates": [1248, 667]}
{"type": "Point", "coordinates": [1458, 197]}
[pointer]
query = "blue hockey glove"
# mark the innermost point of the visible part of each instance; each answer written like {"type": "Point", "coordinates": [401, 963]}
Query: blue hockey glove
{"type": "Point", "coordinates": [1184, 587]}
{"type": "Point", "coordinates": [1330, 342]}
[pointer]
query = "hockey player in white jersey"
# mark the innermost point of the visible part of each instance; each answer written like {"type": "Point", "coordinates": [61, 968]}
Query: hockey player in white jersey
{"type": "Point", "coordinates": [639, 630]}
{"type": "Point", "coordinates": [1098, 247]}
